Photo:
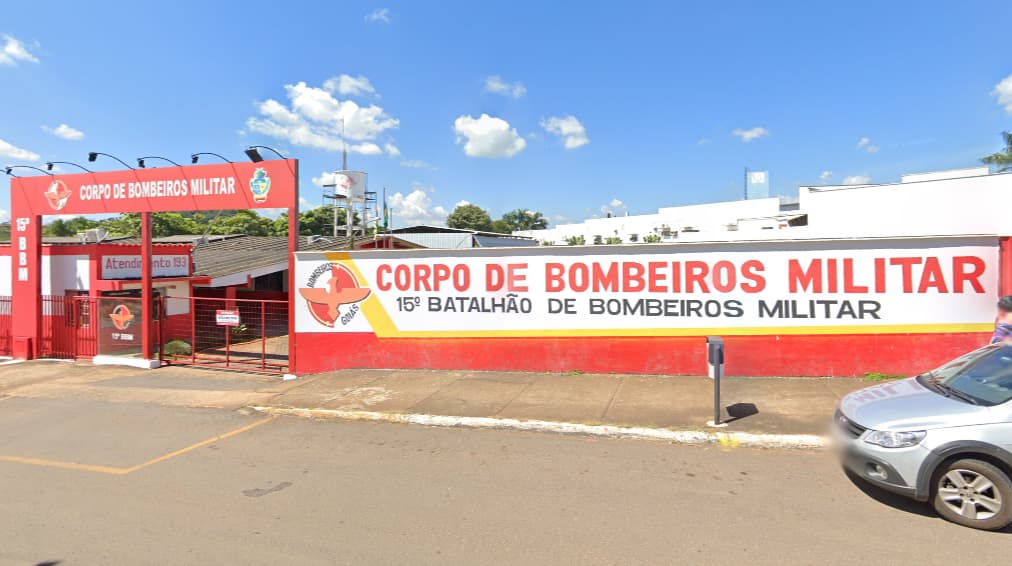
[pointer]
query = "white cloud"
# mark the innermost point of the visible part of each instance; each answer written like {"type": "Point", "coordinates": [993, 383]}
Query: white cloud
{"type": "Point", "coordinates": [615, 207]}
{"type": "Point", "coordinates": [865, 144]}
{"type": "Point", "coordinates": [392, 150]}
{"type": "Point", "coordinates": [367, 148]}
{"type": "Point", "coordinates": [13, 152]}
{"type": "Point", "coordinates": [325, 178]}
{"type": "Point", "coordinates": [416, 164]}
{"type": "Point", "coordinates": [415, 208]}
{"type": "Point", "coordinates": [825, 176]}
{"type": "Point", "coordinates": [568, 128]}
{"type": "Point", "coordinates": [856, 180]}
{"type": "Point", "coordinates": [348, 85]}
{"type": "Point", "coordinates": [5, 215]}
{"type": "Point", "coordinates": [1003, 92]}
{"type": "Point", "coordinates": [64, 131]}
{"type": "Point", "coordinates": [379, 15]}
{"type": "Point", "coordinates": [14, 51]}
{"type": "Point", "coordinates": [496, 84]}
{"type": "Point", "coordinates": [488, 137]}
{"type": "Point", "coordinates": [316, 119]}
{"type": "Point", "coordinates": [703, 141]}
{"type": "Point", "coordinates": [752, 134]}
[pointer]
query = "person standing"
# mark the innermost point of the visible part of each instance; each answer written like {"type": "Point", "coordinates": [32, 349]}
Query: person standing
{"type": "Point", "coordinates": [1003, 322]}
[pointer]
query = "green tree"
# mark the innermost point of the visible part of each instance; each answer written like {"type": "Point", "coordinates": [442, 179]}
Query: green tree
{"type": "Point", "coordinates": [5, 232]}
{"type": "Point", "coordinates": [1003, 159]}
{"type": "Point", "coordinates": [611, 240]}
{"type": "Point", "coordinates": [576, 241]}
{"type": "Point", "coordinates": [162, 224]}
{"type": "Point", "coordinates": [523, 219]}
{"type": "Point", "coordinates": [318, 221]}
{"type": "Point", "coordinates": [57, 227]}
{"type": "Point", "coordinates": [470, 217]}
{"type": "Point", "coordinates": [69, 227]}
{"type": "Point", "coordinates": [652, 239]}
{"type": "Point", "coordinates": [501, 226]}
{"type": "Point", "coordinates": [241, 222]}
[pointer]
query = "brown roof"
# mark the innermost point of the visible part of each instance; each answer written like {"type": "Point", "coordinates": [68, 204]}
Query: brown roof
{"type": "Point", "coordinates": [227, 256]}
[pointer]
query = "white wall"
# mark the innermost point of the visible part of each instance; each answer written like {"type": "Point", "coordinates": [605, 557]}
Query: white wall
{"type": "Point", "coordinates": [72, 272]}
{"type": "Point", "coordinates": [942, 203]}
{"type": "Point", "coordinates": [61, 273]}
{"type": "Point", "coordinates": [709, 218]}
{"type": "Point", "coordinates": [960, 206]}
{"type": "Point", "coordinates": [5, 276]}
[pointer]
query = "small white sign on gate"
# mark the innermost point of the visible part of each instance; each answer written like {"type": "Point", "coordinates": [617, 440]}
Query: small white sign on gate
{"type": "Point", "coordinates": [227, 318]}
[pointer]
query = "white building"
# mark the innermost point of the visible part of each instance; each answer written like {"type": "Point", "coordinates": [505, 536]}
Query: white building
{"type": "Point", "coordinates": [954, 202]}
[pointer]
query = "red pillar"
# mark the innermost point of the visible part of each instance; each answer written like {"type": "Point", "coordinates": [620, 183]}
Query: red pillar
{"type": "Point", "coordinates": [147, 313]}
{"type": "Point", "coordinates": [26, 274]}
{"type": "Point", "coordinates": [26, 284]}
{"type": "Point", "coordinates": [293, 246]}
{"type": "Point", "coordinates": [1004, 266]}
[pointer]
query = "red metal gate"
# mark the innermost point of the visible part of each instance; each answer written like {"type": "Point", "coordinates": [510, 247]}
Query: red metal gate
{"type": "Point", "coordinates": [69, 327]}
{"type": "Point", "coordinates": [5, 326]}
{"type": "Point", "coordinates": [238, 334]}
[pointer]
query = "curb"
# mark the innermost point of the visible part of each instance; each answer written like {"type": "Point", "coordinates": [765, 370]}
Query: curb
{"type": "Point", "coordinates": [726, 439]}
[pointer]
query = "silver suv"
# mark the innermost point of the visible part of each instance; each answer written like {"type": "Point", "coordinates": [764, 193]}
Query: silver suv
{"type": "Point", "coordinates": [944, 436]}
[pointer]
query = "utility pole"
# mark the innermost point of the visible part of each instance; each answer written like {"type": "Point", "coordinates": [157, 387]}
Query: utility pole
{"type": "Point", "coordinates": [344, 167]}
{"type": "Point", "coordinates": [344, 149]}
{"type": "Point", "coordinates": [745, 187]}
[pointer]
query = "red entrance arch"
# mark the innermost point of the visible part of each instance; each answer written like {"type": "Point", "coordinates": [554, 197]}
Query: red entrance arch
{"type": "Point", "coordinates": [226, 186]}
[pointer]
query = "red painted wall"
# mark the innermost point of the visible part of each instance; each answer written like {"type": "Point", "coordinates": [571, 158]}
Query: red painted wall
{"type": "Point", "coordinates": [834, 355]}
{"type": "Point", "coordinates": [1005, 266]}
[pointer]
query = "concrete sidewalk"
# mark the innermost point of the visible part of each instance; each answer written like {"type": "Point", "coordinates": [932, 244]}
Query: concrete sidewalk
{"type": "Point", "coordinates": [783, 411]}
{"type": "Point", "coordinates": [752, 405]}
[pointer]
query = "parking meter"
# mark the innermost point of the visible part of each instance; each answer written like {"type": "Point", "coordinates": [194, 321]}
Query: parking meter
{"type": "Point", "coordinates": [715, 364]}
{"type": "Point", "coordinates": [715, 356]}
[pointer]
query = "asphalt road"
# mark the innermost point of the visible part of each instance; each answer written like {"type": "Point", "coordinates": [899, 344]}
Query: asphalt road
{"type": "Point", "coordinates": [293, 491]}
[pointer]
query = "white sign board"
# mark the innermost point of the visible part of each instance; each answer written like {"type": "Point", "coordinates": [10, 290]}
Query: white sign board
{"type": "Point", "coordinates": [227, 318]}
{"type": "Point", "coordinates": [129, 266]}
{"type": "Point", "coordinates": [844, 287]}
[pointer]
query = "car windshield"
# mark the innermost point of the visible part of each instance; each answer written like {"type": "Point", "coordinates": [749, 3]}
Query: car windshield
{"type": "Point", "coordinates": [982, 377]}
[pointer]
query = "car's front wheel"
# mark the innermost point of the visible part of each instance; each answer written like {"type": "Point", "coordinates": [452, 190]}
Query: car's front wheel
{"type": "Point", "coordinates": [975, 494]}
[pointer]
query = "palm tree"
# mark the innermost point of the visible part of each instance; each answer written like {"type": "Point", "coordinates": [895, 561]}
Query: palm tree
{"type": "Point", "coordinates": [1003, 159]}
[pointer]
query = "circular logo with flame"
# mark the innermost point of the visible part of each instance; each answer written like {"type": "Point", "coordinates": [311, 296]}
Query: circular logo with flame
{"type": "Point", "coordinates": [331, 286]}
{"type": "Point", "coordinates": [57, 194]}
{"type": "Point", "coordinates": [121, 317]}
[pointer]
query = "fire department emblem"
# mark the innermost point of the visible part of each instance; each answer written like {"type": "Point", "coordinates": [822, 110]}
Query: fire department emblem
{"type": "Point", "coordinates": [57, 195]}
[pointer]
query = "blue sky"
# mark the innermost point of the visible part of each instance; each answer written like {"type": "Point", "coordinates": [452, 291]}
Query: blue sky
{"type": "Point", "coordinates": [568, 109]}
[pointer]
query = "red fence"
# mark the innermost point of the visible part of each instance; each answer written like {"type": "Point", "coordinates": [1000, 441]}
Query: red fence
{"type": "Point", "coordinates": [5, 326]}
{"type": "Point", "coordinates": [69, 327]}
{"type": "Point", "coordinates": [242, 334]}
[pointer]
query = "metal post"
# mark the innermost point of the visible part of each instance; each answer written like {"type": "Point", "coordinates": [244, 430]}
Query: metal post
{"type": "Point", "coordinates": [715, 362]}
{"type": "Point", "coordinates": [717, 371]}
{"type": "Point", "coordinates": [263, 335]}
{"type": "Point", "coordinates": [293, 246]}
{"type": "Point", "coordinates": [146, 276]}
{"type": "Point", "coordinates": [193, 327]}
{"type": "Point", "coordinates": [228, 343]}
